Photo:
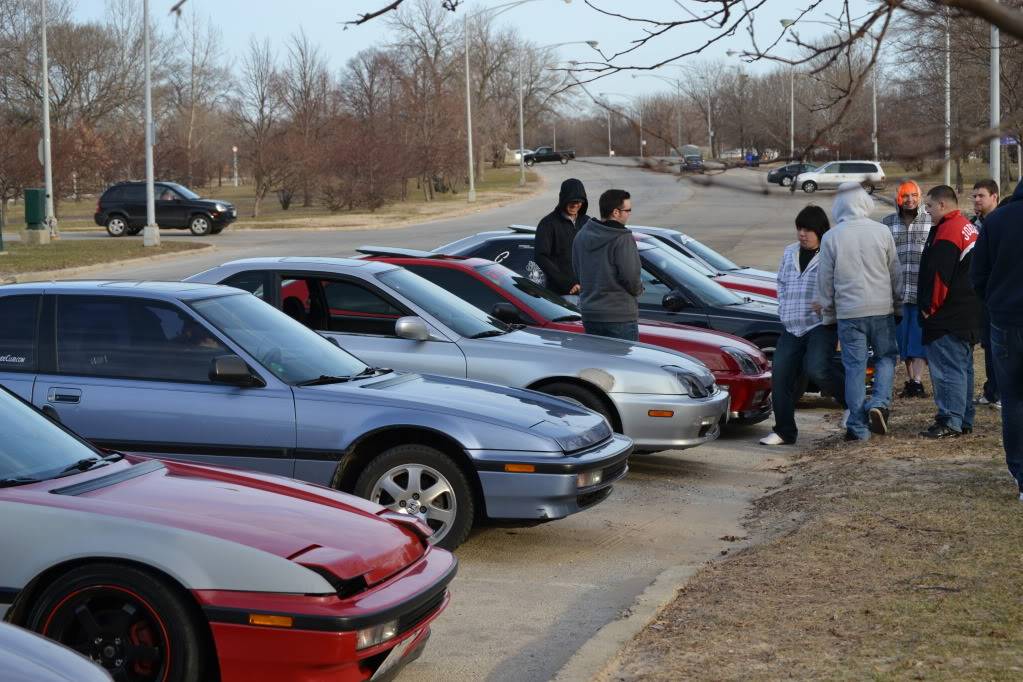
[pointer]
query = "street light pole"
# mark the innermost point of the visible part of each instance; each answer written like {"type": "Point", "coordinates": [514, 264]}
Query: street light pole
{"type": "Point", "coordinates": [995, 144]}
{"type": "Point", "coordinates": [610, 151]}
{"type": "Point", "coordinates": [522, 135]}
{"type": "Point", "coordinates": [151, 234]}
{"type": "Point", "coordinates": [234, 151]}
{"type": "Point", "coordinates": [468, 112]}
{"type": "Point", "coordinates": [792, 114]}
{"type": "Point", "coordinates": [51, 218]}
{"type": "Point", "coordinates": [948, 101]}
{"type": "Point", "coordinates": [873, 104]}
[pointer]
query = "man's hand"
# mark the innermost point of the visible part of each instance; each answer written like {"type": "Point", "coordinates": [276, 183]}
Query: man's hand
{"type": "Point", "coordinates": [816, 307]}
{"type": "Point", "coordinates": [574, 290]}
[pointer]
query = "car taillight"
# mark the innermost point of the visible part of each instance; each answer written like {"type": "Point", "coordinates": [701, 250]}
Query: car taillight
{"type": "Point", "coordinates": [97, 206]}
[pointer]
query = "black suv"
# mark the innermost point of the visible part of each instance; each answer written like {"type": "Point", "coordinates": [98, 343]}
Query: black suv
{"type": "Point", "coordinates": [122, 210]}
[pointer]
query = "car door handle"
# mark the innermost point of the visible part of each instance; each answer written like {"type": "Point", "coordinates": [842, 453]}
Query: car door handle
{"type": "Point", "coordinates": [64, 395]}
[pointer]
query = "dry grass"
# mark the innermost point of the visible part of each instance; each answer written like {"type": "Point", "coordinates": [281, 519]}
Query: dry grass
{"type": "Point", "coordinates": [894, 559]}
{"type": "Point", "coordinates": [59, 255]}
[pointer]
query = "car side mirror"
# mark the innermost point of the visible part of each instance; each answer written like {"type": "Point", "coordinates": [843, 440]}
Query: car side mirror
{"type": "Point", "coordinates": [506, 312]}
{"type": "Point", "coordinates": [412, 328]}
{"type": "Point", "coordinates": [674, 301]}
{"type": "Point", "coordinates": [232, 370]}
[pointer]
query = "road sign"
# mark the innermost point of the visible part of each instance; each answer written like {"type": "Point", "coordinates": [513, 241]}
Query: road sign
{"type": "Point", "coordinates": [1009, 141]}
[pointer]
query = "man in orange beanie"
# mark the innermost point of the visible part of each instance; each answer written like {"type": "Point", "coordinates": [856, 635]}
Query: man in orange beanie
{"type": "Point", "coordinates": [910, 225]}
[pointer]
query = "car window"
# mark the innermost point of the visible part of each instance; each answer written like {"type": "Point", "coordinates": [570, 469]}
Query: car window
{"type": "Point", "coordinates": [353, 308]}
{"type": "Point", "coordinates": [831, 168]}
{"type": "Point", "coordinates": [254, 282]}
{"type": "Point", "coordinates": [19, 315]}
{"type": "Point", "coordinates": [708, 254]}
{"type": "Point", "coordinates": [183, 191]}
{"type": "Point", "coordinates": [462, 318]}
{"type": "Point", "coordinates": [461, 284]}
{"type": "Point", "coordinates": [133, 193]}
{"type": "Point", "coordinates": [132, 338]}
{"type": "Point", "coordinates": [675, 267]}
{"type": "Point", "coordinates": [653, 289]}
{"type": "Point", "coordinates": [544, 302]}
{"type": "Point", "coordinates": [165, 193]}
{"type": "Point", "coordinates": [113, 194]}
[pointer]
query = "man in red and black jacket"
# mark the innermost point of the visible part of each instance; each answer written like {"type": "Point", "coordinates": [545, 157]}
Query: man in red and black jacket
{"type": "Point", "coordinates": [949, 313]}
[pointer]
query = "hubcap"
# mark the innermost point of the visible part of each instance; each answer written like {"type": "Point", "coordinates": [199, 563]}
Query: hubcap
{"type": "Point", "coordinates": [200, 225]}
{"type": "Point", "coordinates": [116, 226]}
{"type": "Point", "coordinates": [418, 491]}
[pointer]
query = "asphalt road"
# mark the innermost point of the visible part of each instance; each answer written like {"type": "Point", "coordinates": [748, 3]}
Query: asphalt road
{"type": "Point", "coordinates": [527, 598]}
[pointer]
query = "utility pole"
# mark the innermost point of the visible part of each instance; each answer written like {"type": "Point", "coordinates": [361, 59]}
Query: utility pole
{"type": "Point", "coordinates": [948, 101]}
{"type": "Point", "coordinates": [873, 104]}
{"type": "Point", "coordinates": [51, 218]}
{"type": "Point", "coordinates": [522, 135]}
{"type": "Point", "coordinates": [995, 144]}
{"type": "Point", "coordinates": [792, 114]}
{"type": "Point", "coordinates": [468, 110]}
{"type": "Point", "coordinates": [150, 235]}
{"type": "Point", "coordinates": [234, 151]}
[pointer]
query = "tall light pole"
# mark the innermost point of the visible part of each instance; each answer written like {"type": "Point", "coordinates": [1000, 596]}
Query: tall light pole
{"type": "Point", "coordinates": [51, 218]}
{"type": "Point", "coordinates": [948, 101]}
{"type": "Point", "coordinates": [995, 144]}
{"type": "Point", "coordinates": [234, 152]}
{"type": "Point", "coordinates": [151, 234]}
{"type": "Point", "coordinates": [610, 149]}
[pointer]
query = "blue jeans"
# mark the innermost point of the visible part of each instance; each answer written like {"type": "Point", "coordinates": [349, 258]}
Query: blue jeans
{"type": "Point", "coordinates": [627, 331]}
{"type": "Point", "coordinates": [857, 335]}
{"type": "Point", "coordinates": [813, 353]}
{"type": "Point", "coordinates": [1007, 352]}
{"type": "Point", "coordinates": [950, 360]}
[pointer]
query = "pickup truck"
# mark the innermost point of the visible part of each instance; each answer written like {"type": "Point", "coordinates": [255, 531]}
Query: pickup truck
{"type": "Point", "coordinates": [548, 154]}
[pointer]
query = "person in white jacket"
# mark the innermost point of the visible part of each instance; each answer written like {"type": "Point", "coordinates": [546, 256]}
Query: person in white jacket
{"type": "Point", "coordinates": [858, 284]}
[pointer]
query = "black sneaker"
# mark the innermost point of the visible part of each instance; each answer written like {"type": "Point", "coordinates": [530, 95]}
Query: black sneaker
{"type": "Point", "coordinates": [938, 431]}
{"type": "Point", "coordinates": [878, 418]}
{"type": "Point", "coordinates": [850, 436]}
{"type": "Point", "coordinates": [913, 389]}
{"type": "Point", "coordinates": [967, 430]}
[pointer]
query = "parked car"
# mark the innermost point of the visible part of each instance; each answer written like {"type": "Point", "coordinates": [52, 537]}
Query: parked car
{"type": "Point", "coordinates": [673, 291]}
{"type": "Point", "coordinates": [211, 374]}
{"type": "Point", "coordinates": [784, 175]}
{"type": "Point", "coordinates": [515, 299]}
{"type": "Point", "coordinates": [122, 210]}
{"type": "Point", "coordinates": [700, 253]}
{"type": "Point", "coordinates": [391, 317]}
{"type": "Point", "coordinates": [27, 657]}
{"type": "Point", "coordinates": [831, 175]}
{"type": "Point", "coordinates": [172, 571]}
{"type": "Point", "coordinates": [692, 163]}
{"type": "Point", "coordinates": [542, 154]}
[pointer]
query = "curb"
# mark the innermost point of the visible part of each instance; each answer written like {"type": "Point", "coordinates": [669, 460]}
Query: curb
{"type": "Point", "coordinates": [68, 273]}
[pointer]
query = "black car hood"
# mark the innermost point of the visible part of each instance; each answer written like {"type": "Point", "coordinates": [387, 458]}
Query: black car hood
{"type": "Point", "coordinates": [753, 310]}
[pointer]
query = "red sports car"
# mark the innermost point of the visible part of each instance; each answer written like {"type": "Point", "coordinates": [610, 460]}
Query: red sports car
{"type": "Point", "coordinates": [173, 572]}
{"type": "Point", "coordinates": [503, 293]}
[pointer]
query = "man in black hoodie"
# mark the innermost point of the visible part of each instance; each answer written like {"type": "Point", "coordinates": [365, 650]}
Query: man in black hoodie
{"type": "Point", "coordinates": [606, 259]}
{"type": "Point", "coordinates": [555, 234]}
{"type": "Point", "coordinates": [996, 279]}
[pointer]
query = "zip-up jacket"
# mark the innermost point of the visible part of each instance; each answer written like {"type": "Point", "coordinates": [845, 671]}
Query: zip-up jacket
{"type": "Point", "coordinates": [996, 262]}
{"type": "Point", "coordinates": [945, 296]}
{"type": "Point", "coordinates": [554, 236]}
{"type": "Point", "coordinates": [607, 260]}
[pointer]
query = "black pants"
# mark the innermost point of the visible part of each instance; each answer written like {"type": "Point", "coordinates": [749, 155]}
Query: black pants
{"type": "Point", "coordinates": [813, 353]}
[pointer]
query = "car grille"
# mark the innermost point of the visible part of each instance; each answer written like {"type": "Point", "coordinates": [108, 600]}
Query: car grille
{"type": "Point", "coordinates": [409, 620]}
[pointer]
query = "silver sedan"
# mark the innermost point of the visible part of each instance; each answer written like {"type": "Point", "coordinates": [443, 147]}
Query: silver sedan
{"type": "Point", "coordinates": [390, 317]}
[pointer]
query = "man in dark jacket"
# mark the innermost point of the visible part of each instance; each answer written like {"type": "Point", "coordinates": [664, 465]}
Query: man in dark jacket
{"type": "Point", "coordinates": [949, 312]}
{"type": "Point", "coordinates": [555, 234]}
{"type": "Point", "coordinates": [996, 279]}
{"type": "Point", "coordinates": [606, 259]}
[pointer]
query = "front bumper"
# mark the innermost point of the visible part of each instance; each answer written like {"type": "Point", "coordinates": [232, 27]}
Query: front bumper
{"type": "Point", "coordinates": [694, 421]}
{"type": "Point", "coordinates": [321, 646]}
{"type": "Point", "coordinates": [550, 492]}
{"type": "Point", "coordinates": [751, 396]}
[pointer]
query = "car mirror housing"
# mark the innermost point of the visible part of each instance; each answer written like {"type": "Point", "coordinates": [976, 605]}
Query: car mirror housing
{"type": "Point", "coordinates": [232, 370]}
{"type": "Point", "coordinates": [506, 312]}
{"type": "Point", "coordinates": [674, 301]}
{"type": "Point", "coordinates": [412, 328]}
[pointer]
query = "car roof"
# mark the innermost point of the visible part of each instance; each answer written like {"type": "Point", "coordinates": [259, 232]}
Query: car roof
{"type": "Point", "coordinates": [184, 291]}
{"type": "Point", "coordinates": [310, 263]}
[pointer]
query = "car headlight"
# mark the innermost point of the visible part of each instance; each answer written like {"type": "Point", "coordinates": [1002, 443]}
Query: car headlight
{"type": "Point", "coordinates": [692, 384]}
{"type": "Point", "coordinates": [377, 634]}
{"type": "Point", "coordinates": [588, 478]}
{"type": "Point", "coordinates": [220, 208]}
{"type": "Point", "coordinates": [747, 363]}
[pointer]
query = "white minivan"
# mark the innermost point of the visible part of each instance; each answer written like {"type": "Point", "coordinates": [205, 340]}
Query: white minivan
{"type": "Point", "coordinates": [833, 174]}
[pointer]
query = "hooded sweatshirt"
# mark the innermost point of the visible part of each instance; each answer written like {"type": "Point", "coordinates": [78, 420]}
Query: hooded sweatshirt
{"type": "Point", "coordinates": [858, 271]}
{"type": "Point", "coordinates": [996, 256]}
{"type": "Point", "coordinates": [606, 258]}
{"type": "Point", "coordinates": [554, 236]}
{"type": "Point", "coordinates": [946, 299]}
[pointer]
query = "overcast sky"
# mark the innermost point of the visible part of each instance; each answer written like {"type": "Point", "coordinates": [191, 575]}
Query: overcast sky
{"type": "Point", "coordinates": [542, 21]}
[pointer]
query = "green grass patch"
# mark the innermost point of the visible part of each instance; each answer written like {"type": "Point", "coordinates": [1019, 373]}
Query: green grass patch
{"type": "Point", "coordinates": [59, 255]}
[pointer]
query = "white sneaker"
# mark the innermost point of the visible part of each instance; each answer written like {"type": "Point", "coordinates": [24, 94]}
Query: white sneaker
{"type": "Point", "coordinates": [772, 439]}
{"type": "Point", "coordinates": [845, 419]}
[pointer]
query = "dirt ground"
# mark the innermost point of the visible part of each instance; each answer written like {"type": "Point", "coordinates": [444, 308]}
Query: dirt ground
{"type": "Point", "coordinates": [893, 559]}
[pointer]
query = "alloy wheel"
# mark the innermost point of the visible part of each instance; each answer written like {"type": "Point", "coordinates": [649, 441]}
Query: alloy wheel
{"type": "Point", "coordinates": [420, 491]}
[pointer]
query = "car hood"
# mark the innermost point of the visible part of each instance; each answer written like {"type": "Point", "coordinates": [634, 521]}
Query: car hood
{"type": "Point", "coordinates": [756, 274]}
{"type": "Point", "coordinates": [273, 514]}
{"type": "Point", "coordinates": [514, 408]}
{"type": "Point", "coordinates": [702, 344]}
{"type": "Point", "coordinates": [211, 202]}
{"type": "Point", "coordinates": [753, 309]}
{"type": "Point", "coordinates": [750, 284]}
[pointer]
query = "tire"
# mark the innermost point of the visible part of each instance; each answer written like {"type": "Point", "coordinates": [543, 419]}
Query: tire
{"type": "Point", "coordinates": [200, 225]}
{"type": "Point", "coordinates": [809, 186]}
{"type": "Point", "coordinates": [580, 396]}
{"type": "Point", "coordinates": [218, 230]}
{"type": "Point", "coordinates": [530, 162]}
{"type": "Point", "coordinates": [130, 622]}
{"type": "Point", "coordinates": [451, 520]}
{"type": "Point", "coordinates": [133, 231]}
{"type": "Point", "coordinates": [564, 160]}
{"type": "Point", "coordinates": [117, 226]}
{"type": "Point", "coordinates": [785, 181]}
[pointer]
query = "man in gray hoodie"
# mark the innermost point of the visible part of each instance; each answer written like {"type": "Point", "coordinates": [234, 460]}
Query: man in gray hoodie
{"type": "Point", "coordinates": [858, 284]}
{"type": "Point", "coordinates": [606, 261]}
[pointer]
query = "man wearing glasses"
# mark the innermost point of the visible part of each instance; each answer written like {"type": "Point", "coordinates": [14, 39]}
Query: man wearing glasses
{"type": "Point", "coordinates": [554, 236]}
{"type": "Point", "coordinates": [606, 260]}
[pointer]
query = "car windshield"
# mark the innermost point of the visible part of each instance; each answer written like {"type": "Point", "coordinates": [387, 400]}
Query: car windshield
{"type": "Point", "coordinates": [544, 302]}
{"type": "Point", "coordinates": [460, 317]}
{"type": "Point", "coordinates": [708, 254]}
{"type": "Point", "coordinates": [291, 351]}
{"type": "Point", "coordinates": [677, 268]}
{"type": "Point", "coordinates": [182, 190]}
{"type": "Point", "coordinates": [33, 447]}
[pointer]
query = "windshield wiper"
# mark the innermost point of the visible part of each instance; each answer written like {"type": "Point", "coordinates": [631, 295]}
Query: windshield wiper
{"type": "Point", "coordinates": [568, 318]}
{"type": "Point", "coordinates": [84, 465]}
{"type": "Point", "coordinates": [17, 480]}
{"type": "Point", "coordinates": [488, 333]}
{"type": "Point", "coordinates": [324, 379]}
